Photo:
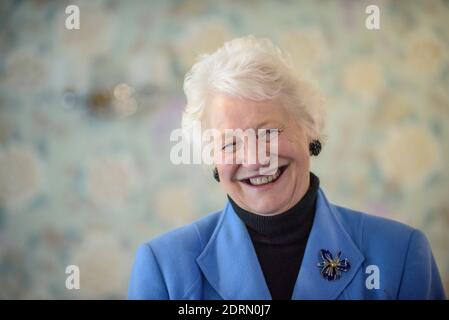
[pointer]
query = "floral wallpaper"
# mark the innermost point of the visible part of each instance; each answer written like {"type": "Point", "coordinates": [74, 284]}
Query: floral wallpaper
{"type": "Point", "coordinates": [85, 119]}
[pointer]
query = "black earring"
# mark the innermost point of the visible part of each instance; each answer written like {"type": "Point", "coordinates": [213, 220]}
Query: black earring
{"type": "Point", "coordinates": [215, 173]}
{"type": "Point", "coordinates": [315, 147]}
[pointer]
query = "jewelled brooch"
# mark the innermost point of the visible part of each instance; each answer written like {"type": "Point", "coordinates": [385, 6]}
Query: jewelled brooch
{"type": "Point", "coordinates": [331, 267]}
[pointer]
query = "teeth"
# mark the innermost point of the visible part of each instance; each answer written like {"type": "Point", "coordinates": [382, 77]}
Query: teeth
{"type": "Point", "coordinates": [265, 179]}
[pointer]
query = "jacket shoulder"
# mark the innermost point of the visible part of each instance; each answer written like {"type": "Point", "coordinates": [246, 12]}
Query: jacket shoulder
{"type": "Point", "coordinates": [165, 267]}
{"type": "Point", "coordinates": [366, 229]}
{"type": "Point", "coordinates": [178, 249]}
{"type": "Point", "coordinates": [192, 237]}
{"type": "Point", "coordinates": [402, 253]}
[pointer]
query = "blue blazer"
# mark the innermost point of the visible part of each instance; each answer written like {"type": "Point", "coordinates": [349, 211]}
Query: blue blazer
{"type": "Point", "coordinates": [213, 258]}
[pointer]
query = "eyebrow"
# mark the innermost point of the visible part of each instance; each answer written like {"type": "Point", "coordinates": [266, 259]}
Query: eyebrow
{"type": "Point", "coordinates": [262, 125]}
{"type": "Point", "coordinates": [270, 125]}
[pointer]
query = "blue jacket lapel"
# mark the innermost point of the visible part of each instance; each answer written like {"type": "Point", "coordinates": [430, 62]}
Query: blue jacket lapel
{"type": "Point", "coordinates": [229, 261]}
{"type": "Point", "coordinates": [327, 233]}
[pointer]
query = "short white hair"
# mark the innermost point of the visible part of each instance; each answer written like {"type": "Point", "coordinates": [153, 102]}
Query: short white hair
{"type": "Point", "coordinates": [255, 69]}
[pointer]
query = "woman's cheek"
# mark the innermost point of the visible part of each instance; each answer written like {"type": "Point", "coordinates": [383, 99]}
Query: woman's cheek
{"type": "Point", "coordinates": [285, 148]}
{"type": "Point", "coordinates": [226, 172]}
{"type": "Point", "coordinates": [293, 146]}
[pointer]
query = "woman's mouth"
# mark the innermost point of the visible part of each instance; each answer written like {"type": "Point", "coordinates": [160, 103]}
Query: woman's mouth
{"type": "Point", "coordinates": [264, 180]}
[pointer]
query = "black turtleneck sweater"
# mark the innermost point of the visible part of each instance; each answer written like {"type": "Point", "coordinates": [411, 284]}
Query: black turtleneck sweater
{"type": "Point", "coordinates": [280, 240]}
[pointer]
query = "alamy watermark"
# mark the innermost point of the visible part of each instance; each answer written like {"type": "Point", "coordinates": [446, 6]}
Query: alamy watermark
{"type": "Point", "coordinates": [72, 282]}
{"type": "Point", "coordinates": [230, 146]}
{"type": "Point", "coordinates": [372, 21]}
{"type": "Point", "coordinates": [72, 21]}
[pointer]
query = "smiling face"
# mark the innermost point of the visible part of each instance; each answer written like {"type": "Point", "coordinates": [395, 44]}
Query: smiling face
{"type": "Point", "coordinates": [261, 194]}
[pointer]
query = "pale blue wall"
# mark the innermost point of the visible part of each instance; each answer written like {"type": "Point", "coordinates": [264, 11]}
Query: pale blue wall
{"type": "Point", "coordinates": [85, 177]}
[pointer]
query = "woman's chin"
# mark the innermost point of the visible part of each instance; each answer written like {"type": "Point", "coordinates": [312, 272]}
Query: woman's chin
{"type": "Point", "coordinates": [267, 207]}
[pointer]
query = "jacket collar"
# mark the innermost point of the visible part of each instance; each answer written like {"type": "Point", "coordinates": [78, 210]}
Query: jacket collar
{"type": "Point", "coordinates": [229, 261]}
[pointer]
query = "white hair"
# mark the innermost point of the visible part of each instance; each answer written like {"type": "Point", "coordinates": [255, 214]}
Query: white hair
{"type": "Point", "coordinates": [255, 69]}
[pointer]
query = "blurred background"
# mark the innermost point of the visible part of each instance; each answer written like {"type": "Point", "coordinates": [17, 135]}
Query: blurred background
{"type": "Point", "coordinates": [85, 118]}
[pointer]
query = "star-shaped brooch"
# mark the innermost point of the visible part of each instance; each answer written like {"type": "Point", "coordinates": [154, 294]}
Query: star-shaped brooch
{"type": "Point", "coordinates": [331, 267]}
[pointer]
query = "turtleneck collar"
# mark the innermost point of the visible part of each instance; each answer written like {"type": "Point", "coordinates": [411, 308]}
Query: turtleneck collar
{"type": "Point", "coordinates": [287, 227]}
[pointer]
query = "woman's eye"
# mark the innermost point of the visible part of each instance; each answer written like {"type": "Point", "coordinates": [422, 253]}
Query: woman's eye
{"type": "Point", "coordinates": [229, 147]}
{"type": "Point", "coordinates": [263, 135]}
{"type": "Point", "coordinates": [267, 134]}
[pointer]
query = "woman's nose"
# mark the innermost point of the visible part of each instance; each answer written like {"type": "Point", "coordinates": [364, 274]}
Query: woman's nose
{"type": "Point", "coordinates": [252, 160]}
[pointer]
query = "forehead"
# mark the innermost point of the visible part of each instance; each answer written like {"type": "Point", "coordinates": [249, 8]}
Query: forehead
{"type": "Point", "coordinates": [227, 112]}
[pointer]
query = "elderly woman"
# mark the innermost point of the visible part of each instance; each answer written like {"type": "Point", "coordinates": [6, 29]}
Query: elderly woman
{"type": "Point", "coordinates": [278, 237]}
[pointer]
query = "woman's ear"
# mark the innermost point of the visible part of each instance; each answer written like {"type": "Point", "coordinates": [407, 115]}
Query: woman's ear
{"type": "Point", "coordinates": [315, 147]}
{"type": "Point", "coordinates": [215, 174]}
